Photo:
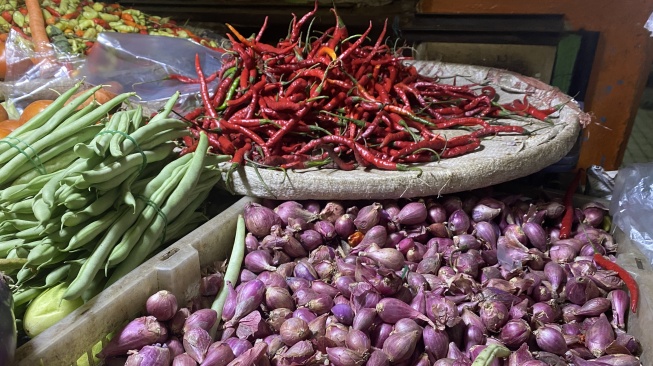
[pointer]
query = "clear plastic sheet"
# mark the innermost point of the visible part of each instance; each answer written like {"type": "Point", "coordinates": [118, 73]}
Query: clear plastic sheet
{"type": "Point", "coordinates": [125, 62]}
{"type": "Point", "coordinates": [31, 75]}
{"type": "Point", "coordinates": [632, 205]}
{"type": "Point", "coordinates": [142, 64]}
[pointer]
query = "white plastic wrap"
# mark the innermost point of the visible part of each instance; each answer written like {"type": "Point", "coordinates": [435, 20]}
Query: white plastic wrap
{"type": "Point", "coordinates": [632, 205]}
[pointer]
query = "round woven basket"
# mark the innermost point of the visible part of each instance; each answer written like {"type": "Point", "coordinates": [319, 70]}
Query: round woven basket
{"type": "Point", "coordinates": [501, 158]}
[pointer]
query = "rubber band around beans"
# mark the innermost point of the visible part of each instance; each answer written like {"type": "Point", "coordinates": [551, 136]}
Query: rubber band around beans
{"type": "Point", "coordinates": [159, 212]}
{"type": "Point", "coordinates": [37, 164]}
{"type": "Point", "coordinates": [128, 137]}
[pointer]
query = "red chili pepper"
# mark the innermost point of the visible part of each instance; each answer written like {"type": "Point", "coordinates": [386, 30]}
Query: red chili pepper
{"type": "Point", "coordinates": [392, 77]}
{"type": "Point", "coordinates": [282, 104]}
{"type": "Point", "coordinates": [239, 155]}
{"type": "Point", "coordinates": [281, 133]}
{"type": "Point", "coordinates": [183, 79]}
{"type": "Point", "coordinates": [296, 86]}
{"type": "Point", "coordinates": [630, 282]}
{"type": "Point", "coordinates": [460, 150]}
{"type": "Point", "coordinates": [355, 45]}
{"type": "Point", "coordinates": [464, 121]}
{"type": "Point", "coordinates": [102, 23]}
{"type": "Point", "coordinates": [369, 157]}
{"type": "Point", "coordinates": [493, 130]}
{"type": "Point", "coordinates": [221, 91]}
{"type": "Point", "coordinates": [204, 90]}
{"type": "Point", "coordinates": [339, 33]}
{"type": "Point", "coordinates": [436, 144]}
{"type": "Point", "coordinates": [382, 95]}
{"type": "Point", "coordinates": [256, 138]}
{"type": "Point", "coordinates": [568, 217]}
{"type": "Point", "coordinates": [226, 145]}
{"type": "Point", "coordinates": [53, 12]}
{"type": "Point", "coordinates": [259, 35]}
{"type": "Point", "coordinates": [7, 16]}
{"type": "Point", "coordinates": [449, 110]}
{"type": "Point", "coordinates": [190, 116]}
{"type": "Point", "coordinates": [296, 29]}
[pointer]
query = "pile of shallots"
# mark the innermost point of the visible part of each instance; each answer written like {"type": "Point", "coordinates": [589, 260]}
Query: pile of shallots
{"type": "Point", "coordinates": [420, 282]}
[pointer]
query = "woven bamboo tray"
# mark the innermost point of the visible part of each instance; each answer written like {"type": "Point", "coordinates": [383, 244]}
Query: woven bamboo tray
{"type": "Point", "coordinates": [502, 158]}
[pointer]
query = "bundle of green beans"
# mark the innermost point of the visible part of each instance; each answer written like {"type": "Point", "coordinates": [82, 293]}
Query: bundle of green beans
{"type": "Point", "coordinates": [84, 202]}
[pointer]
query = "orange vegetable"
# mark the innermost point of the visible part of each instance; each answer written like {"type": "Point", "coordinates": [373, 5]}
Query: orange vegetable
{"type": "Point", "coordinates": [4, 132]}
{"type": "Point", "coordinates": [33, 109]}
{"type": "Point", "coordinates": [101, 96]}
{"type": "Point", "coordinates": [10, 124]}
{"type": "Point", "coordinates": [37, 28]}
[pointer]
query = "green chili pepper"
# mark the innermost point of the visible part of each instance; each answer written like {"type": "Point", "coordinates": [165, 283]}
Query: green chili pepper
{"type": "Point", "coordinates": [18, 18]}
{"type": "Point", "coordinates": [489, 354]}
{"type": "Point", "coordinates": [230, 93]}
{"type": "Point", "coordinates": [109, 17]}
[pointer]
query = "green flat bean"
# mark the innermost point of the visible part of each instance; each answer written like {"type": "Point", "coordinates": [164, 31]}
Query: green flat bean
{"type": "Point", "coordinates": [100, 143]}
{"type": "Point", "coordinates": [56, 259]}
{"type": "Point", "coordinates": [41, 134]}
{"type": "Point", "coordinates": [121, 125]}
{"type": "Point", "coordinates": [62, 192]}
{"type": "Point", "coordinates": [57, 135]}
{"type": "Point", "coordinates": [154, 184]}
{"type": "Point", "coordinates": [34, 233]}
{"type": "Point", "coordinates": [170, 211]}
{"type": "Point", "coordinates": [142, 134]}
{"type": "Point", "coordinates": [25, 274]}
{"type": "Point", "coordinates": [123, 164]}
{"type": "Point", "coordinates": [50, 157]}
{"type": "Point", "coordinates": [192, 223]}
{"type": "Point", "coordinates": [134, 234]}
{"type": "Point", "coordinates": [17, 252]}
{"type": "Point", "coordinates": [25, 296]}
{"type": "Point", "coordinates": [19, 224]}
{"type": "Point", "coordinates": [125, 190]}
{"type": "Point", "coordinates": [161, 137]}
{"type": "Point", "coordinates": [489, 354]}
{"type": "Point", "coordinates": [24, 206]}
{"type": "Point", "coordinates": [91, 231]}
{"type": "Point", "coordinates": [93, 264]}
{"type": "Point", "coordinates": [233, 268]}
{"type": "Point", "coordinates": [41, 118]}
{"type": "Point", "coordinates": [77, 200]}
{"type": "Point", "coordinates": [81, 112]}
{"type": "Point", "coordinates": [61, 162]}
{"type": "Point", "coordinates": [48, 191]}
{"type": "Point", "coordinates": [6, 246]}
{"type": "Point", "coordinates": [177, 228]}
{"type": "Point", "coordinates": [41, 254]}
{"type": "Point", "coordinates": [57, 275]}
{"type": "Point", "coordinates": [18, 192]}
{"type": "Point", "coordinates": [116, 181]}
{"type": "Point", "coordinates": [96, 208]}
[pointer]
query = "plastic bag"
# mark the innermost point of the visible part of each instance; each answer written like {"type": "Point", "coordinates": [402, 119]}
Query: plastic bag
{"type": "Point", "coordinates": [632, 205]}
{"type": "Point", "coordinates": [142, 64]}
{"type": "Point", "coordinates": [27, 80]}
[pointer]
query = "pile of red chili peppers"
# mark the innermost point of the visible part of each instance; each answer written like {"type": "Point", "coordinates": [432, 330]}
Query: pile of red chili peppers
{"type": "Point", "coordinates": [328, 100]}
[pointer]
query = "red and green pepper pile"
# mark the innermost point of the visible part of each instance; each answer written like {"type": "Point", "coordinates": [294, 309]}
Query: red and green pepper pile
{"type": "Point", "coordinates": [327, 100]}
{"type": "Point", "coordinates": [73, 25]}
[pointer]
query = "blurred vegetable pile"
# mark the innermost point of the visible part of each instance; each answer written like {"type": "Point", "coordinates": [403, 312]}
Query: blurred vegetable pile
{"type": "Point", "coordinates": [73, 25]}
